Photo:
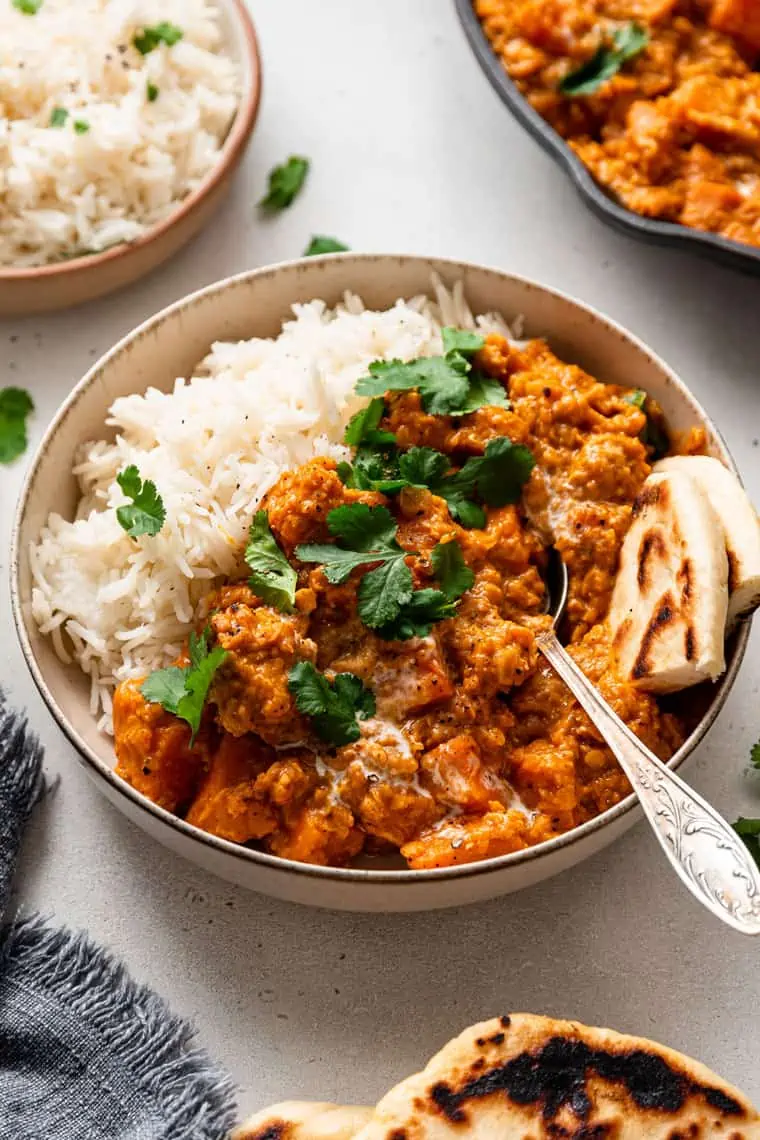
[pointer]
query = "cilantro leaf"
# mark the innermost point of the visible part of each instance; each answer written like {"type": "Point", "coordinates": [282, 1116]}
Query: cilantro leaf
{"type": "Point", "coordinates": [451, 570]}
{"type": "Point", "coordinates": [754, 755]}
{"type": "Point", "coordinates": [334, 707]}
{"type": "Point", "coordinates": [461, 340]}
{"type": "Point", "coordinates": [15, 406]}
{"type": "Point", "coordinates": [147, 514]}
{"type": "Point", "coordinates": [375, 468]}
{"type": "Point", "coordinates": [362, 427]}
{"type": "Point", "coordinates": [165, 687]}
{"type": "Point", "coordinates": [28, 7]}
{"type": "Point", "coordinates": [183, 691]}
{"type": "Point", "coordinates": [384, 590]}
{"type": "Point", "coordinates": [442, 381]}
{"type": "Point", "coordinates": [272, 576]}
{"type": "Point", "coordinates": [627, 42]}
{"type": "Point", "coordinates": [58, 117]}
{"type": "Point", "coordinates": [462, 509]}
{"type": "Point", "coordinates": [285, 183]}
{"type": "Point", "coordinates": [323, 244]}
{"type": "Point", "coordinates": [151, 92]}
{"type": "Point", "coordinates": [423, 466]}
{"type": "Point", "coordinates": [484, 392]}
{"type": "Point", "coordinates": [749, 830]}
{"type": "Point", "coordinates": [652, 434]}
{"type": "Point", "coordinates": [417, 617]}
{"type": "Point", "coordinates": [81, 126]}
{"type": "Point", "coordinates": [368, 534]}
{"type": "Point", "coordinates": [149, 38]}
{"type": "Point", "coordinates": [504, 469]}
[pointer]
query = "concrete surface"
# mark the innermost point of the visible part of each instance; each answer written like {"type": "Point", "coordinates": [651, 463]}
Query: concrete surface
{"type": "Point", "coordinates": [412, 152]}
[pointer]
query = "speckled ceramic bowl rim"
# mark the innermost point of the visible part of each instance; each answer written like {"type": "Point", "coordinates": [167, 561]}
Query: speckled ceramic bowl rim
{"type": "Point", "coordinates": [231, 150]}
{"type": "Point", "coordinates": [346, 874]}
{"type": "Point", "coordinates": [723, 250]}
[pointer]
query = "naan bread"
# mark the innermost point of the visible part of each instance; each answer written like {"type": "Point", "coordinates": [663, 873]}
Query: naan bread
{"type": "Point", "coordinates": [304, 1120]}
{"type": "Point", "coordinates": [668, 610]}
{"type": "Point", "coordinates": [533, 1078]}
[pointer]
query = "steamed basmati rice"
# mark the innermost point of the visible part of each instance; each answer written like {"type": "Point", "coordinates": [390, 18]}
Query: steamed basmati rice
{"type": "Point", "coordinates": [120, 161]}
{"type": "Point", "coordinates": [214, 446]}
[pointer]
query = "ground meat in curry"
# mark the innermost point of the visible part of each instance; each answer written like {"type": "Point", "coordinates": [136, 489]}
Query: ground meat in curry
{"type": "Point", "coordinates": [675, 134]}
{"type": "Point", "coordinates": [475, 747]}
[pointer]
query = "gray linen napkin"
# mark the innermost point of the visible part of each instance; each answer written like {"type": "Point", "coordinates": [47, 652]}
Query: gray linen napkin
{"type": "Point", "coordinates": [85, 1052]}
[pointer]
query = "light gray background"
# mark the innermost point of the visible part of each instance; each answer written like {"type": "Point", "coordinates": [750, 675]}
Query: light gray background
{"type": "Point", "coordinates": [412, 152]}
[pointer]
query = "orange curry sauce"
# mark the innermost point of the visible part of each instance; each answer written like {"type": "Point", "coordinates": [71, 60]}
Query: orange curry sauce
{"type": "Point", "coordinates": [476, 748]}
{"type": "Point", "coordinates": [675, 134]}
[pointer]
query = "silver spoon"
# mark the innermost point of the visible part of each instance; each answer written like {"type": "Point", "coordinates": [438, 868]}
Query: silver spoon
{"type": "Point", "coordinates": [703, 849]}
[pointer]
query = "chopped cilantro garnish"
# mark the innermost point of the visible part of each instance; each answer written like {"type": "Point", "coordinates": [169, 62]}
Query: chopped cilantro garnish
{"type": "Point", "coordinates": [272, 576]}
{"type": "Point", "coordinates": [417, 616]}
{"type": "Point", "coordinates": [749, 830]}
{"type": "Point", "coordinates": [149, 38]}
{"type": "Point", "coordinates": [652, 434]}
{"type": "Point", "coordinates": [627, 41]}
{"type": "Point", "coordinates": [447, 384]}
{"type": "Point", "coordinates": [15, 406]}
{"type": "Point", "coordinates": [334, 707]}
{"type": "Point", "coordinates": [322, 244]}
{"type": "Point", "coordinates": [147, 513]}
{"type": "Point", "coordinates": [151, 92]}
{"type": "Point", "coordinates": [183, 690]}
{"type": "Point", "coordinates": [368, 537]}
{"type": "Point", "coordinates": [496, 478]}
{"type": "Point", "coordinates": [28, 7]}
{"type": "Point", "coordinates": [81, 126]}
{"type": "Point", "coordinates": [754, 755]}
{"type": "Point", "coordinates": [285, 183]}
{"type": "Point", "coordinates": [58, 117]}
{"type": "Point", "coordinates": [362, 428]}
{"type": "Point", "coordinates": [451, 570]}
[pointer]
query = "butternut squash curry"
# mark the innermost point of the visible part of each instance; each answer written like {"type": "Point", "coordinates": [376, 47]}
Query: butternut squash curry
{"type": "Point", "coordinates": [657, 97]}
{"type": "Point", "coordinates": [370, 682]}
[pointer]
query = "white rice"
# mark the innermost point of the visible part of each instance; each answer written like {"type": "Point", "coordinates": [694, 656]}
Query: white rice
{"type": "Point", "coordinates": [64, 193]}
{"type": "Point", "coordinates": [214, 446]}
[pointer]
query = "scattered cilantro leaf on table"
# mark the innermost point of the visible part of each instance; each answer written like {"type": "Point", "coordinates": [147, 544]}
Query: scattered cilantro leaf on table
{"type": "Point", "coordinates": [320, 243]}
{"type": "Point", "coordinates": [149, 38]}
{"type": "Point", "coordinates": [334, 707]}
{"type": "Point", "coordinates": [28, 7]}
{"type": "Point", "coordinates": [447, 384]}
{"type": "Point", "coordinates": [147, 513]}
{"type": "Point", "coordinates": [272, 578]}
{"type": "Point", "coordinates": [183, 690]}
{"type": "Point", "coordinates": [285, 183]}
{"type": "Point", "coordinates": [754, 755]}
{"type": "Point", "coordinates": [749, 830]}
{"type": "Point", "coordinates": [627, 42]}
{"type": "Point", "coordinates": [15, 407]}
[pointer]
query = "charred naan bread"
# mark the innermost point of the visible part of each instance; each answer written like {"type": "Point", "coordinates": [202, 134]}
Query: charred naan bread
{"type": "Point", "coordinates": [669, 605]}
{"type": "Point", "coordinates": [739, 523]}
{"type": "Point", "coordinates": [304, 1120]}
{"type": "Point", "coordinates": [532, 1078]}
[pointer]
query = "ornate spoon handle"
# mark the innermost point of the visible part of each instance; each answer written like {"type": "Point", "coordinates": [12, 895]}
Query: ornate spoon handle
{"type": "Point", "coordinates": [707, 854]}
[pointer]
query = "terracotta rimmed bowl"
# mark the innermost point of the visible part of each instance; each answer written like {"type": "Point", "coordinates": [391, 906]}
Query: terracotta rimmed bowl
{"type": "Point", "coordinates": [67, 283]}
{"type": "Point", "coordinates": [255, 303]}
{"type": "Point", "coordinates": [603, 203]}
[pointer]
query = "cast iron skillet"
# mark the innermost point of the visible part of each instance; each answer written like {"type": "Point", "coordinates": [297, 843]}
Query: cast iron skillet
{"type": "Point", "coordinates": [720, 249]}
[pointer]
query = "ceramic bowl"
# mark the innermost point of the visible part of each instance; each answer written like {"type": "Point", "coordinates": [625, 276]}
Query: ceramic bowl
{"type": "Point", "coordinates": [722, 250]}
{"type": "Point", "coordinates": [66, 283]}
{"type": "Point", "coordinates": [255, 303]}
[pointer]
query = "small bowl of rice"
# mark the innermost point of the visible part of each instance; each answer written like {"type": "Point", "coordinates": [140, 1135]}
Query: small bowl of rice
{"type": "Point", "coordinates": [121, 126]}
